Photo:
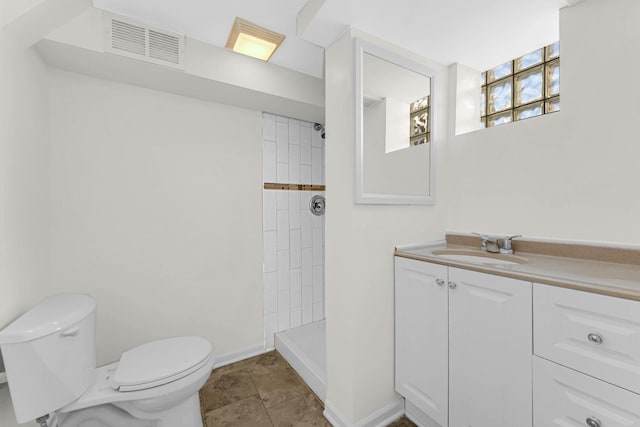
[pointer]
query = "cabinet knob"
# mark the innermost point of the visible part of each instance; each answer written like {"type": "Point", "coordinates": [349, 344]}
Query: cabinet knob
{"type": "Point", "coordinates": [595, 338]}
{"type": "Point", "coordinates": [452, 285]}
{"type": "Point", "coordinates": [439, 282]}
{"type": "Point", "coordinates": [593, 422]}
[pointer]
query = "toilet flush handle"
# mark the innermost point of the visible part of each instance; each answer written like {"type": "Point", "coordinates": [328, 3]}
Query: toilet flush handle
{"type": "Point", "coordinates": [71, 332]}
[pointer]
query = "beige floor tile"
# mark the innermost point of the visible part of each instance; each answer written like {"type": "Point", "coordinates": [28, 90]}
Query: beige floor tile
{"type": "Point", "coordinates": [223, 389]}
{"type": "Point", "coordinates": [262, 364]}
{"type": "Point", "coordinates": [269, 363]}
{"type": "Point", "coordinates": [257, 392]}
{"type": "Point", "coordinates": [244, 413]}
{"type": "Point", "coordinates": [304, 410]}
{"type": "Point", "coordinates": [277, 386]}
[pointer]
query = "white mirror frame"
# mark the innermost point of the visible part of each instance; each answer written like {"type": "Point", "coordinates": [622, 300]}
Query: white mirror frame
{"type": "Point", "coordinates": [362, 46]}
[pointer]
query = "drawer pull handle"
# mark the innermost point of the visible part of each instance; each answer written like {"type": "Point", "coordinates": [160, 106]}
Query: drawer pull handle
{"type": "Point", "coordinates": [593, 422]}
{"type": "Point", "coordinates": [440, 282]}
{"type": "Point", "coordinates": [596, 339]}
{"type": "Point", "coordinates": [452, 285]}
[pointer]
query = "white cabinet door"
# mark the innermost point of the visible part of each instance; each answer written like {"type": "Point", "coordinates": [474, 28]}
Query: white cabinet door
{"type": "Point", "coordinates": [595, 334]}
{"type": "Point", "coordinates": [566, 398]}
{"type": "Point", "coordinates": [421, 336]}
{"type": "Point", "coordinates": [490, 340]}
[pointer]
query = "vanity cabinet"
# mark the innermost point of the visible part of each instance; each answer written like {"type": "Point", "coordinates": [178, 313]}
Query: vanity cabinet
{"type": "Point", "coordinates": [587, 359]}
{"type": "Point", "coordinates": [490, 340]}
{"type": "Point", "coordinates": [595, 334]}
{"type": "Point", "coordinates": [463, 346]}
{"type": "Point", "coordinates": [564, 397]}
{"type": "Point", "coordinates": [421, 330]}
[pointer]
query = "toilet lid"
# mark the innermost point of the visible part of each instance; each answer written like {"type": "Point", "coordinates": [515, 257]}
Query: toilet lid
{"type": "Point", "coordinates": [160, 362]}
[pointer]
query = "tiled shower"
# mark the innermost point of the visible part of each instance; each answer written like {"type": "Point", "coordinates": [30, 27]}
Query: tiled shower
{"type": "Point", "coordinates": [293, 172]}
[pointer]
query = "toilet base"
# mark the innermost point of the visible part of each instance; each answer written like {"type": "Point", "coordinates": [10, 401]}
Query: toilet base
{"type": "Point", "coordinates": [184, 414]}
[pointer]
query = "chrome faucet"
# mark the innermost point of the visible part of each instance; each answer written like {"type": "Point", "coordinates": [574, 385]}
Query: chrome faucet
{"type": "Point", "coordinates": [484, 239]}
{"type": "Point", "coordinates": [506, 244]}
{"type": "Point", "coordinates": [506, 247]}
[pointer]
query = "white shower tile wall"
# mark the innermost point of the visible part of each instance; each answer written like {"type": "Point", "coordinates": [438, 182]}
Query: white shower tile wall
{"type": "Point", "coordinates": [293, 153]}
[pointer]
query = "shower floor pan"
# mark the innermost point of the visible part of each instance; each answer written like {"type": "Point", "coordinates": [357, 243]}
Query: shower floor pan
{"type": "Point", "coordinates": [305, 349]}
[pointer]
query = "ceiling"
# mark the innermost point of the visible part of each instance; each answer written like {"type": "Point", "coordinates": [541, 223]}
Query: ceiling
{"type": "Point", "coordinates": [477, 33]}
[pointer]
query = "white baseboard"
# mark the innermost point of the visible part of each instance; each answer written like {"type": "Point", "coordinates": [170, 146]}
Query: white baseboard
{"type": "Point", "coordinates": [229, 358]}
{"type": "Point", "coordinates": [418, 417]}
{"type": "Point", "coordinates": [381, 418]}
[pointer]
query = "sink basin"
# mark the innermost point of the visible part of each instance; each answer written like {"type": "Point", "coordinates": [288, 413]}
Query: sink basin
{"type": "Point", "coordinates": [479, 257]}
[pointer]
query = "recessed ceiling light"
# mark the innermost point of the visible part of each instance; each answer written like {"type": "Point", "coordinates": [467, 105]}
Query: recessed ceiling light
{"type": "Point", "coordinates": [252, 40]}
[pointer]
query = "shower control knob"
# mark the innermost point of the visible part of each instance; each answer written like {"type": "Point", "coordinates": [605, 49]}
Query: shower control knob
{"type": "Point", "coordinates": [452, 285]}
{"type": "Point", "coordinates": [439, 282]}
{"type": "Point", "coordinates": [317, 205]}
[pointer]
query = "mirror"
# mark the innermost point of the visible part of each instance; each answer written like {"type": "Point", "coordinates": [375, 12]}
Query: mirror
{"type": "Point", "coordinates": [394, 128]}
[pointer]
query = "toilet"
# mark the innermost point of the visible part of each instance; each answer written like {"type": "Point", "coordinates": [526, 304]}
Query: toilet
{"type": "Point", "coordinates": [50, 359]}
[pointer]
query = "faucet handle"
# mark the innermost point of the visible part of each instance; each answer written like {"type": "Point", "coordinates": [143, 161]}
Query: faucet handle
{"type": "Point", "coordinates": [512, 236]}
{"type": "Point", "coordinates": [506, 243]}
{"type": "Point", "coordinates": [484, 239]}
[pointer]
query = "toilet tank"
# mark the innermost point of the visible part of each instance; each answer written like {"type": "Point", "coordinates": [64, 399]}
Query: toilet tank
{"type": "Point", "coordinates": [49, 354]}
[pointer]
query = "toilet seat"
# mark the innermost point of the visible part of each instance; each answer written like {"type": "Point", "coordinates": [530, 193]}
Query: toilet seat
{"type": "Point", "coordinates": [160, 362]}
{"type": "Point", "coordinates": [102, 392]}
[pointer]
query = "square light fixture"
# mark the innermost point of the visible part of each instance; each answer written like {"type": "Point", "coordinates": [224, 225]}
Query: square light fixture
{"type": "Point", "coordinates": [252, 40]}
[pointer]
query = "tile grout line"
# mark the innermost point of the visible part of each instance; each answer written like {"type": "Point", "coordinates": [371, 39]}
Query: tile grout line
{"type": "Point", "coordinates": [261, 399]}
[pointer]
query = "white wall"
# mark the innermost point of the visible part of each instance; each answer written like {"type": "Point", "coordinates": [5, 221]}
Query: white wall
{"type": "Point", "coordinates": [23, 186]}
{"type": "Point", "coordinates": [572, 174]}
{"type": "Point", "coordinates": [156, 212]}
{"type": "Point", "coordinates": [359, 249]}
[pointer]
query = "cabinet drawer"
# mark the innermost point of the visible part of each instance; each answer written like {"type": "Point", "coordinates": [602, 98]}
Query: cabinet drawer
{"type": "Point", "coordinates": [565, 398]}
{"type": "Point", "coordinates": [594, 334]}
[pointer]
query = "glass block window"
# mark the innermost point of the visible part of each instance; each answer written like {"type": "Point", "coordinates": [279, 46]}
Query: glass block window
{"type": "Point", "coordinates": [526, 87]}
{"type": "Point", "coordinates": [420, 132]}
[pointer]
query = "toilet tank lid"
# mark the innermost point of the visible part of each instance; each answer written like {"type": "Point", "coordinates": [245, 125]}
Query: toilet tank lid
{"type": "Point", "coordinates": [52, 314]}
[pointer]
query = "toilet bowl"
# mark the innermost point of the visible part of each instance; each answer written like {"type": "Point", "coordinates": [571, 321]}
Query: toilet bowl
{"type": "Point", "coordinates": [49, 356]}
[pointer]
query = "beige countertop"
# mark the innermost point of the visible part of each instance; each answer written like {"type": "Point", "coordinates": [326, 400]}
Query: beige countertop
{"type": "Point", "coordinates": [608, 278]}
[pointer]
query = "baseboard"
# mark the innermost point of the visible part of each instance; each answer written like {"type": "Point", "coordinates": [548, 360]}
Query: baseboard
{"type": "Point", "coordinates": [381, 418]}
{"type": "Point", "coordinates": [229, 358]}
{"type": "Point", "coordinates": [418, 417]}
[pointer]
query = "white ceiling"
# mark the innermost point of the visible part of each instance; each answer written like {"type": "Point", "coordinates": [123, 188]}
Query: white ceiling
{"type": "Point", "coordinates": [477, 33]}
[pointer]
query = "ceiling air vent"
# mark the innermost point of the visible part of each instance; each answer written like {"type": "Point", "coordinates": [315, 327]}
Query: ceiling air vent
{"type": "Point", "coordinates": [132, 39]}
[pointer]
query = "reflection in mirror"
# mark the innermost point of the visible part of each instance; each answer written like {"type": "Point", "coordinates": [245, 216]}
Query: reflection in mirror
{"type": "Point", "coordinates": [394, 143]}
{"type": "Point", "coordinates": [420, 121]}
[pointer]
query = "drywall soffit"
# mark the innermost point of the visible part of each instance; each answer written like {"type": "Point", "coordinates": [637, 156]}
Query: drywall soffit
{"type": "Point", "coordinates": [316, 26]}
{"type": "Point", "coordinates": [79, 46]}
{"type": "Point", "coordinates": [34, 23]}
{"type": "Point", "coordinates": [138, 73]}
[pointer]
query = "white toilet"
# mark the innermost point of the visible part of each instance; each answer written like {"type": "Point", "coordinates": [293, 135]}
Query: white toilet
{"type": "Point", "coordinates": [49, 356]}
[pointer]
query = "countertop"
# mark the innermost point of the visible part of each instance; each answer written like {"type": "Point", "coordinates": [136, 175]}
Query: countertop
{"type": "Point", "coordinates": [608, 278]}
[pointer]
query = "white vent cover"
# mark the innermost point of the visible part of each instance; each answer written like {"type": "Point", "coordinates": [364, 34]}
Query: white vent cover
{"type": "Point", "coordinates": [132, 39]}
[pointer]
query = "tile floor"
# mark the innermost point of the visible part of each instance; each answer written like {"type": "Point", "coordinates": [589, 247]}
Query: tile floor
{"type": "Point", "coordinates": [262, 391]}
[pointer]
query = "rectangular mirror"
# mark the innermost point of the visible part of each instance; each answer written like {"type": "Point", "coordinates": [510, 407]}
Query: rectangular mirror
{"type": "Point", "coordinates": [394, 128]}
